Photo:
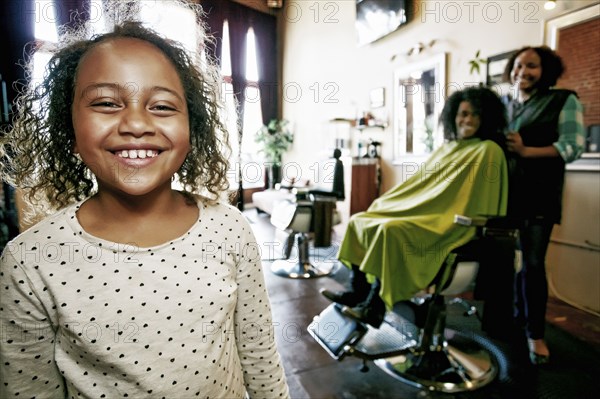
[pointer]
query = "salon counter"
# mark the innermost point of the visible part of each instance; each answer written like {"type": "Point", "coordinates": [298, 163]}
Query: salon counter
{"type": "Point", "coordinates": [573, 261]}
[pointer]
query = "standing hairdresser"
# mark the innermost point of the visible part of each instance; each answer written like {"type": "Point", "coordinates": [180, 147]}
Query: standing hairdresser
{"type": "Point", "coordinates": [546, 132]}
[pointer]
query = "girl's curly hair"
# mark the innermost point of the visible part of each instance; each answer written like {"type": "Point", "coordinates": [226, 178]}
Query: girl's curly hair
{"type": "Point", "coordinates": [37, 151]}
{"type": "Point", "coordinates": [487, 104]}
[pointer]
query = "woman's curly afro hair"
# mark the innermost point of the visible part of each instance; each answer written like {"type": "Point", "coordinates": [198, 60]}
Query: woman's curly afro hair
{"type": "Point", "coordinates": [486, 103]}
{"type": "Point", "coordinates": [551, 63]}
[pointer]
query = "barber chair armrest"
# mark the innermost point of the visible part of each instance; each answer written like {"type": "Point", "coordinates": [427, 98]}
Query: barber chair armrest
{"type": "Point", "coordinates": [470, 221]}
{"type": "Point", "coordinates": [492, 226]}
{"type": "Point", "coordinates": [501, 228]}
{"type": "Point", "coordinates": [492, 221]}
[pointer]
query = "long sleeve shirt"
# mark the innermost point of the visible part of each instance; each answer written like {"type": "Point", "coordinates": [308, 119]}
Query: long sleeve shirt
{"type": "Point", "coordinates": [84, 317]}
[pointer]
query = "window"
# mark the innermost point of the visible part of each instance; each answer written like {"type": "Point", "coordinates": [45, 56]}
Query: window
{"type": "Point", "coordinates": [45, 24]}
{"type": "Point", "coordinates": [248, 157]}
{"type": "Point", "coordinates": [45, 32]}
{"type": "Point", "coordinates": [252, 107]}
{"type": "Point", "coordinates": [172, 21]}
{"type": "Point", "coordinates": [227, 91]}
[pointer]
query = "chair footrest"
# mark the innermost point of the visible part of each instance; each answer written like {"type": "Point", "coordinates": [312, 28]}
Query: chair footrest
{"type": "Point", "coordinates": [384, 341]}
{"type": "Point", "coordinates": [340, 335]}
{"type": "Point", "coordinates": [335, 332]}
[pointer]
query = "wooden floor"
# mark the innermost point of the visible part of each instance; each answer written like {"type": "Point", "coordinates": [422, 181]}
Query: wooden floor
{"type": "Point", "coordinates": [313, 374]}
{"type": "Point", "coordinates": [579, 323]}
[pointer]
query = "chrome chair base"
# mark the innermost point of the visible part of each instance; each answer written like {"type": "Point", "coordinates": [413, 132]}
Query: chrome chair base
{"type": "Point", "coordinates": [461, 364]}
{"type": "Point", "coordinates": [302, 270]}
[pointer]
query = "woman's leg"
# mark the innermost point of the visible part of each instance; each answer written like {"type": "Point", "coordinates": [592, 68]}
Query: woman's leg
{"type": "Point", "coordinates": [532, 285]}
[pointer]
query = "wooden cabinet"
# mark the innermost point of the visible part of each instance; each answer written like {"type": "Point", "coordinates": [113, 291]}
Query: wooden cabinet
{"type": "Point", "coordinates": [366, 183]}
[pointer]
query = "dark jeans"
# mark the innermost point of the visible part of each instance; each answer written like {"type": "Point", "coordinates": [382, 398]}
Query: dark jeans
{"type": "Point", "coordinates": [531, 286]}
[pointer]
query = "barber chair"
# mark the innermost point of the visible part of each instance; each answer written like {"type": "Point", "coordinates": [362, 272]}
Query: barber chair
{"type": "Point", "coordinates": [310, 215]}
{"type": "Point", "coordinates": [425, 354]}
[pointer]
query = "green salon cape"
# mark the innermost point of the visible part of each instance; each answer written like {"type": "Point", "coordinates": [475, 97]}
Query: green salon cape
{"type": "Point", "coordinates": [406, 234]}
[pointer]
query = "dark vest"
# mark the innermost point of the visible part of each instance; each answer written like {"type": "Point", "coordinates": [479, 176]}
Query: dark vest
{"type": "Point", "coordinates": [536, 184]}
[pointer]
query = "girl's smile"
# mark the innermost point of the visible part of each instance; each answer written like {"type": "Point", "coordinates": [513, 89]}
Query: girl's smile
{"type": "Point", "coordinates": [136, 157]}
{"type": "Point", "coordinates": [130, 116]}
{"type": "Point", "coordinates": [131, 159]}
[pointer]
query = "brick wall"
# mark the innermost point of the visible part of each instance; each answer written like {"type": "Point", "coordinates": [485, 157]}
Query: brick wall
{"type": "Point", "coordinates": [579, 47]}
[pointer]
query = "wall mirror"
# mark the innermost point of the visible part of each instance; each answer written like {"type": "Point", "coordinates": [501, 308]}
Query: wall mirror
{"type": "Point", "coordinates": [419, 89]}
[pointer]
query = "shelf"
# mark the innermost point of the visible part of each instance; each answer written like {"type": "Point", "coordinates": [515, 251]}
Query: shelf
{"type": "Point", "coordinates": [366, 127]}
{"type": "Point", "coordinates": [351, 122]}
{"type": "Point", "coordinates": [590, 155]}
{"type": "Point", "coordinates": [585, 164]}
{"type": "Point", "coordinates": [354, 123]}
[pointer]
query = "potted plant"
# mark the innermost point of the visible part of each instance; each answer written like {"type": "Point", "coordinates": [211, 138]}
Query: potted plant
{"type": "Point", "coordinates": [276, 138]}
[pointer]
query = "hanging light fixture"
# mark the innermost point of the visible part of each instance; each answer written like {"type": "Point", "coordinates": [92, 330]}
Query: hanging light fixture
{"type": "Point", "coordinates": [550, 4]}
{"type": "Point", "coordinates": [275, 3]}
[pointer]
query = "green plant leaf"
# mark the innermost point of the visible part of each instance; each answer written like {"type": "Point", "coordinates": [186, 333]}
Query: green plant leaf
{"type": "Point", "coordinates": [475, 63]}
{"type": "Point", "coordinates": [474, 67]}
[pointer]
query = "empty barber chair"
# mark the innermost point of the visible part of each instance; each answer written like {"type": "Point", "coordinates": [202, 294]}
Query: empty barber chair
{"type": "Point", "coordinates": [311, 215]}
{"type": "Point", "coordinates": [423, 353]}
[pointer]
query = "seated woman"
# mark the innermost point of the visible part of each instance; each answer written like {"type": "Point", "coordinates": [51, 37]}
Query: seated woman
{"type": "Point", "coordinates": [405, 236]}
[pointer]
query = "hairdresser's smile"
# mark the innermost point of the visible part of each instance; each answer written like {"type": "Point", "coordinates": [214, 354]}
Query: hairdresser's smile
{"type": "Point", "coordinates": [130, 117]}
{"type": "Point", "coordinates": [527, 70]}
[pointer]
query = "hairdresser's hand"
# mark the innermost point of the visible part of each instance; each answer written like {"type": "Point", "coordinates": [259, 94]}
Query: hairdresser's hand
{"type": "Point", "coordinates": [514, 143]}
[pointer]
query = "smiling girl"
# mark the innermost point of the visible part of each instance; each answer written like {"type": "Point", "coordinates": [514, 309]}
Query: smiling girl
{"type": "Point", "coordinates": [131, 288]}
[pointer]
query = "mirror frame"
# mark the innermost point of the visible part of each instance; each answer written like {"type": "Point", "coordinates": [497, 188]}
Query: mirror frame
{"type": "Point", "coordinates": [437, 63]}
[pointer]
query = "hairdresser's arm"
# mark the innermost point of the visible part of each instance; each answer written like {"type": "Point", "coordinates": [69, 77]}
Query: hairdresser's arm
{"type": "Point", "coordinates": [571, 130]}
{"type": "Point", "coordinates": [514, 143]}
{"type": "Point", "coordinates": [263, 374]}
{"type": "Point", "coordinates": [571, 139]}
{"type": "Point", "coordinates": [28, 368]}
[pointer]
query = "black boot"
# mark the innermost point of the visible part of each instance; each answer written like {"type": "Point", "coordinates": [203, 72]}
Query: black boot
{"type": "Point", "coordinates": [358, 292]}
{"type": "Point", "coordinates": [413, 311]}
{"type": "Point", "coordinates": [371, 311]}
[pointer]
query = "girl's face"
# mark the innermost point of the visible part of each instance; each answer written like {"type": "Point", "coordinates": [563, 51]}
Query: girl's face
{"type": "Point", "coordinates": [527, 70]}
{"type": "Point", "coordinates": [130, 117]}
{"type": "Point", "coordinates": [467, 120]}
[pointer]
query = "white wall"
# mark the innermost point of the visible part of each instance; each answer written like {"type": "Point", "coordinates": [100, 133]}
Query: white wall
{"type": "Point", "coordinates": [325, 74]}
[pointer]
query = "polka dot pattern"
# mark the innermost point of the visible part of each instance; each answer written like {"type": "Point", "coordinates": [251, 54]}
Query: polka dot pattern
{"type": "Point", "coordinates": [84, 317]}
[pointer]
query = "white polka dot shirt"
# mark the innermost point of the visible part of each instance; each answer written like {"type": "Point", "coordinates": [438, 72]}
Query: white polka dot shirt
{"type": "Point", "coordinates": [85, 317]}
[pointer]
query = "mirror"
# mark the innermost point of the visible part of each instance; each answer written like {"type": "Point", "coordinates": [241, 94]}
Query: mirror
{"type": "Point", "coordinates": [418, 101]}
